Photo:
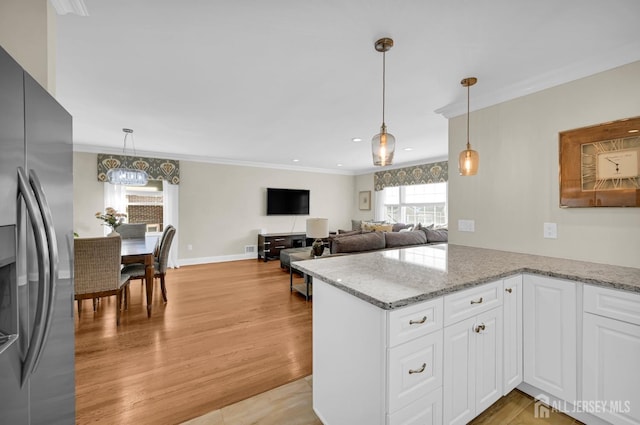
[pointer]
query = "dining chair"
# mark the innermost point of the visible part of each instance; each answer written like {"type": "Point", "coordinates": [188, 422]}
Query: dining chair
{"type": "Point", "coordinates": [97, 271]}
{"type": "Point", "coordinates": [132, 230]}
{"type": "Point", "coordinates": [137, 271]}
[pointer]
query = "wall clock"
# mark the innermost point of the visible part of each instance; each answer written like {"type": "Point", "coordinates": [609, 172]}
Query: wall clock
{"type": "Point", "coordinates": [600, 165]}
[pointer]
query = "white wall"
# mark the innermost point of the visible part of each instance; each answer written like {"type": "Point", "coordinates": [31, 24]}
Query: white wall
{"type": "Point", "coordinates": [517, 190]}
{"type": "Point", "coordinates": [222, 207]}
{"type": "Point", "coordinates": [28, 34]}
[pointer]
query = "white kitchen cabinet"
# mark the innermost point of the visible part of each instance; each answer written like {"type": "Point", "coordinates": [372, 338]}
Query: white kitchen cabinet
{"type": "Point", "coordinates": [373, 366]}
{"type": "Point", "coordinates": [550, 327]}
{"type": "Point", "coordinates": [611, 366]}
{"type": "Point", "coordinates": [472, 355]}
{"type": "Point", "coordinates": [424, 411]}
{"type": "Point", "coordinates": [512, 333]}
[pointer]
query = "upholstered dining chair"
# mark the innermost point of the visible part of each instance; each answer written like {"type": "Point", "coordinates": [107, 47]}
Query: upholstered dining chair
{"type": "Point", "coordinates": [97, 271]}
{"type": "Point", "coordinates": [132, 230]}
{"type": "Point", "coordinates": [137, 271]}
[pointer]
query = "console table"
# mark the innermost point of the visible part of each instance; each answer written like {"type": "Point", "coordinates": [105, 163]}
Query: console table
{"type": "Point", "coordinates": [270, 244]}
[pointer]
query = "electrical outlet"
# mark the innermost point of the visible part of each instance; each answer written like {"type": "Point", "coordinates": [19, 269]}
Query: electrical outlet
{"type": "Point", "coordinates": [189, 247]}
{"type": "Point", "coordinates": [550, 230]}
{"type": "Point", "coordinates": [466, 225]}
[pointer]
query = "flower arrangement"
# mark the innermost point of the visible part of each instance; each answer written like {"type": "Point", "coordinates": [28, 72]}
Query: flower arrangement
{"type": "Point", "coordinates": [111, 218]}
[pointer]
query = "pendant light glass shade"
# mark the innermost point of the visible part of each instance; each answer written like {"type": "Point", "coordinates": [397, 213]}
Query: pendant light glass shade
{"type": "Point", "coordinates": [124, 175]}
{"type": "Point", "coordinates": [468, 162]}
{"type": "Point", "coordinates": [383, 145]}
{"type": "Point", "coordinates": [469, 159]}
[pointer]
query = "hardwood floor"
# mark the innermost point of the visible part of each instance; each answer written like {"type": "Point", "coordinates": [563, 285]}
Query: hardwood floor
{"type": "Point", "coordinates": [229, 331]}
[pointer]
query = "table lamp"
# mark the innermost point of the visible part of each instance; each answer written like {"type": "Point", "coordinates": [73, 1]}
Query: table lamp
{"type": "Point", "coordinates": [317, 228]}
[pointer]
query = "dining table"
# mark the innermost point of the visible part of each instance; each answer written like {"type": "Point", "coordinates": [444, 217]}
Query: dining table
{"type": "Point", "coordinates": [140, 250]}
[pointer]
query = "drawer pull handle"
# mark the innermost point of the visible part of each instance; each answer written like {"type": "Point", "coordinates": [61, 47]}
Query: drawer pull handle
{"type": "Point", "coordinates": [418, 322]}
{"type": "Point", "coordinates": [280, 247]}
{"type": "Point", "coordinates": [412, 371]}
{"type": "Point", "coordinates": [508, 290]}
{"type": "Point", "coordinates": [479, 328]}
{"type": "Point", "coordinates": [477, 302]}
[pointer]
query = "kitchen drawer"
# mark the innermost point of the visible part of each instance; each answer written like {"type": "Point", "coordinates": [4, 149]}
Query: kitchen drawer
{"type": "Point", "coordinates": [613, 303]}
{"type": "Point", "coordinates": [414, 321]}
{"type": "Point", "coordinates": [415, 370]}
{"type": "Point", "coordinates": [469, 302]}
{"type": "Point", "coordinates": [424, 411]}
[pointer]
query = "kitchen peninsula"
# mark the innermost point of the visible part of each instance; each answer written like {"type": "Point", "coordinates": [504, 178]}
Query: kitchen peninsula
{"type": "Point", "coordinates": [436, 334]}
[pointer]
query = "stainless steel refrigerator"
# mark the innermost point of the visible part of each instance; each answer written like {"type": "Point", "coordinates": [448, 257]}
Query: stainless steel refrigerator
{"type": "Point", "coordinates": [37, 384]}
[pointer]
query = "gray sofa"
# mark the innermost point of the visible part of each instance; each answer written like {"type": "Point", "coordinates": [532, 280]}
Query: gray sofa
{"type": "Point", "coordinates": [359, 241]}
{"type": "Point", "coordinates": [354, 241]}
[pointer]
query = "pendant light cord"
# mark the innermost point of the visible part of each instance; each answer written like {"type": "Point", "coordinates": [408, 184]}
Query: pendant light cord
{"type": "Point", "coordinates": [128, 132]}
{"type": "Point", "coordinates": [468, 144]}
{"type": "Point", "coordinates": [384, 67]}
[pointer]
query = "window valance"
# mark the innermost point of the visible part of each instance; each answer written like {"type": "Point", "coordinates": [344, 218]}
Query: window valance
{"type": "Point", "coordinates": [156, 168]}
{"type": "Point", "coordinates": [436, 172]}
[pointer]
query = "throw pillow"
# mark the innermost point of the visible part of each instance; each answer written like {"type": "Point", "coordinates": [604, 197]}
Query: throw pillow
{"type": "Point", "coordinates": [356, 224]}
{"type": "Point", "coordinates": [383, 228]}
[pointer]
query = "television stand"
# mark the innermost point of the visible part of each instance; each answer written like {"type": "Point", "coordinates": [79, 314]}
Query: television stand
{"type": "Point", "coordinates": [270, 244]}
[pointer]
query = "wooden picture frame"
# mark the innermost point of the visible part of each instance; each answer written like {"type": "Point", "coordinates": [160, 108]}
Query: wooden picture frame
{"type": "Point", "coordinates": [364, 200]}
{"type": "Point", "coordinates": [600, 165]}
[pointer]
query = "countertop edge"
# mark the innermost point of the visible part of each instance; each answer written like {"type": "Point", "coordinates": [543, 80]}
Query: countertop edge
{"type": "Point", "coordinates": [445, 291]}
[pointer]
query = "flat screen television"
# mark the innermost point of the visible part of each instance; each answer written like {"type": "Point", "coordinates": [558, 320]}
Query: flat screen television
{"type": "Point", "coordinates": [287, 201]}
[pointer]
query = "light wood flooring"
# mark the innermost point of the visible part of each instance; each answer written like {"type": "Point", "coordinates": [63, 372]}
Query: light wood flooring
{"type": "Point", "coordinates": [232, 346]}
{"type": "Point", "coordinates": [229, 331]}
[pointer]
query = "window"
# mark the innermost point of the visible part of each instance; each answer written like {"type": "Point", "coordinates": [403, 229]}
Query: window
{"type": "Point", "coordinates": [421, 203]}
{"type": "Point", "coordinates": [144, 204]}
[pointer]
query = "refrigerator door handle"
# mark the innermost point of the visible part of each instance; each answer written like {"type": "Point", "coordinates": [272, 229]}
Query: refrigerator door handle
{"type": "Point", "coordinates": [30, 201]}
{"type": "Point", "coordinates": [52, 243]}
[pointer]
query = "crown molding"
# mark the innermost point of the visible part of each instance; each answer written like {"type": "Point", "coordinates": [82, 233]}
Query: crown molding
{"type": "Point", "coordinates": [577, 70]}
{"type": "Point", "coordinates": [76, 7]}
{"type": "Point", "coordinates": [210, 160]}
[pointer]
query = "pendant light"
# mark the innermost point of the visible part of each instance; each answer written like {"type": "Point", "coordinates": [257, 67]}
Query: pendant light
{"type": "Point", "coordinates": [469, 159]}
{"type": "Point", "coordinates": [383, 145]}
{"type": "Point", "coordinates": [124, 175]}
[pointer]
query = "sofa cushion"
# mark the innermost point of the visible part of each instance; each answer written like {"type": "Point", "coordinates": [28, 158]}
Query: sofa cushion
{"type": "Point", "coordinates": [395, 239]}
{"type": "Point", "coordinates": [437, 235]}
{"type": "Point", "coordinates": [356, 243]}
{"type": "Point", "coordinates": [342, 233]}
{"type": "Point", "coordinates": [401, 226]}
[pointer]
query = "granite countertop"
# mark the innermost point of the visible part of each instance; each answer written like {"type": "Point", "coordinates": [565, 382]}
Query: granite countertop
{"type": "Point", "coordinates": [395, 278]}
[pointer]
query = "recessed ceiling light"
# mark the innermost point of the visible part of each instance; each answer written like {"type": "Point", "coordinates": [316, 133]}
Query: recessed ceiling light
{"type": "Point", "coordinates": [356, 139]}
{"type": "Point", "coordinates": [339, 165]}
{"type": "Point", "coordinates": [296, 160]}
{"type": "Point", "coordinates": [633, 131]}
{"type": "Point", "coordinates": [408, 149]}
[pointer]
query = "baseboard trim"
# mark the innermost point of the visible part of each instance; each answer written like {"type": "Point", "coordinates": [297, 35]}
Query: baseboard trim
{"type": "Point", "coordinates": [217, 259]}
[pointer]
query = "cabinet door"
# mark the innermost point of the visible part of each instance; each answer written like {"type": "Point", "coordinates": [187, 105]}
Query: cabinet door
{"type": "Point", "coordinates": [424, 411]}
{"type": "Point", "coordinates": [550, 335]}
{"type": "Point", "coordinates": [488, 358]}
{"type": "Point", "coordinates": [459, 373]}
{"type": "Point", "coordinates": [512, 335]}
{"type": "Point", "coordinates": [611, 368]}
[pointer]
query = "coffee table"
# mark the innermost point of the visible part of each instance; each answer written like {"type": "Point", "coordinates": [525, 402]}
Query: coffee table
{"type": "Point", "coordinates": [303, 288]}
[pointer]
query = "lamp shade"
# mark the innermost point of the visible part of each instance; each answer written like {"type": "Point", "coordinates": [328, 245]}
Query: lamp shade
{"type": "Point", "coordinates": [317, 228]}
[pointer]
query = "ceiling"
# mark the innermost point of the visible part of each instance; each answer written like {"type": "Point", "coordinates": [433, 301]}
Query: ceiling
{"type": "Point", "coordinates": [271, 82]}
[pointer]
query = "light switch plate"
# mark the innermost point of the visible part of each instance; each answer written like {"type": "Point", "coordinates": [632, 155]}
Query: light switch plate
{"type": "Point", "coordinates": [550, 230]}
{"type": "Point", "coordinates": [466, 225]}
